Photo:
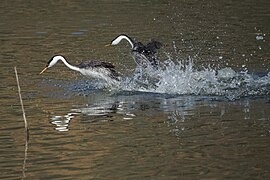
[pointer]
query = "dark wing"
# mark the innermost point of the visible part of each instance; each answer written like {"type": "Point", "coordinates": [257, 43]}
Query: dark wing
{"type": "Point", "coordinates": [96, 63]}
{"type": "Point", "coordinates": [152, 46]}
{"type": "Point", "coordinates": [143, 55]}
{"type": "Point", "coordinates": [114, 74]}
{"type": "Point", "coordinates": [150, 52]}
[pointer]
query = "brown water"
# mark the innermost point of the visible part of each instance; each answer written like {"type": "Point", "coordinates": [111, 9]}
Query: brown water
{"type": "Point", "coordinates": [194, 124]}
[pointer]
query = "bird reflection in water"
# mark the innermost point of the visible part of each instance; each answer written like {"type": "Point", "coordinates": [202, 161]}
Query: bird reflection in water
{"type": "Point", "coordinates": [97, 112]}
{"type": "Point", "coordinates": [62, 122]}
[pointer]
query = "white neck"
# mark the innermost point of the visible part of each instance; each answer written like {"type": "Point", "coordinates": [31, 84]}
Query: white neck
{"type": "Point", "coordinates": [57, 58]}
{"type": "Point", "coordinates": [120, 38]}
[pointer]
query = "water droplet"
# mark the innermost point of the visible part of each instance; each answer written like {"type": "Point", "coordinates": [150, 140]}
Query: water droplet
{"type": "Point", "coordinates": [259, 37]}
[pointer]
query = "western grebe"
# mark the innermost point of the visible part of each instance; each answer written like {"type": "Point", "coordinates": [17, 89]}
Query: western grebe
{"type": "Point", "coordinates": [94, 68]}
{"type": "Point", "coordinates": [143, 55]}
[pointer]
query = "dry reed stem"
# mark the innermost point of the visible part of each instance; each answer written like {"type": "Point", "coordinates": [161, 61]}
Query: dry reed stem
{"type": "Point", "coordinates": [19, 91]}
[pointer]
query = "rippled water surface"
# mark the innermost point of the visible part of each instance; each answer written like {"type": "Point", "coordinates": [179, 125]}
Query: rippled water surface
{"type": "Point", "coordinates": [204, 114]}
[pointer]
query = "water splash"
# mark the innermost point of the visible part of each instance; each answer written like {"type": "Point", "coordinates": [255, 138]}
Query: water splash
{"type": "Point", "coordinates": [182, 77]}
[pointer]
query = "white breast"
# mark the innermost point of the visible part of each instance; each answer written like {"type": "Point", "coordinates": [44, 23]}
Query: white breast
{"type": "Point", "coordinates": [99, 73]}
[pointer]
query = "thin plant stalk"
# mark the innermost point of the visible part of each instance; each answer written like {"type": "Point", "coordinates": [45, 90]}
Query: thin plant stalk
{"type": "Point", "coordinates": [24, 118]}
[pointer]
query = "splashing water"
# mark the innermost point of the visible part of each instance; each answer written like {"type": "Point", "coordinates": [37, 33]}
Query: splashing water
{"type": "Point", "coordinates": [183, 79]}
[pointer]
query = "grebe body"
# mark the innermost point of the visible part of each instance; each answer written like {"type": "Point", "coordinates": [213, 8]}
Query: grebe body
{"type": "Point", "coordinates": [95, 69]}
{"type": "Point", "coordinates": [143, 55]}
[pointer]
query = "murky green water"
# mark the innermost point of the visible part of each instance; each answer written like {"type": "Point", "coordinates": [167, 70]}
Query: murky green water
{"type": "Point", "coordinates": [194, 124]}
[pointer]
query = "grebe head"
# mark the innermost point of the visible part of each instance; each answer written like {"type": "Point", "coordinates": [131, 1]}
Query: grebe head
{"type": "Point", "coordinates": [52, 62]}
{"type": "Point", "coordinates": [119, 38]}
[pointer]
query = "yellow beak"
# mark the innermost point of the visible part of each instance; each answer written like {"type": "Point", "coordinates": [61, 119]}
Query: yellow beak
{"type": "Point", "coordinates": [107, 45]}
{"type": "Point", "coordinates": [43, 70]}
